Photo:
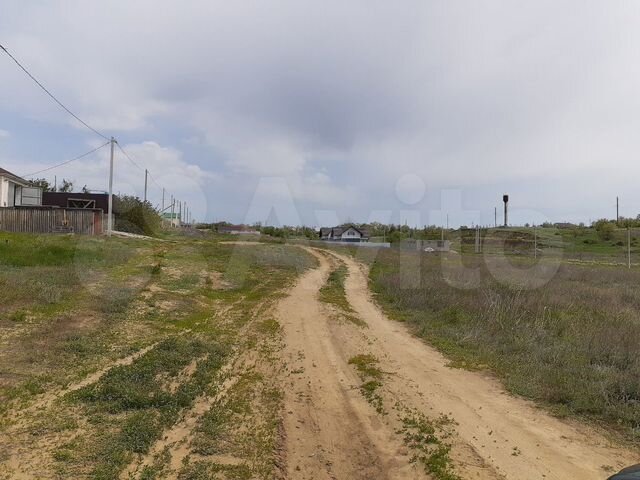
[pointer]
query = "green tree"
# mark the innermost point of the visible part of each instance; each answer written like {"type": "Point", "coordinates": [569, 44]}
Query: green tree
{"type": "Point", "coordinates": [67, 186]}
{"type": "Point", "coordinates": [135, 216]}
{"type": "Point", "coordinates": [43, 183]}
{"type": "Point", "coordinates": [605, 228]}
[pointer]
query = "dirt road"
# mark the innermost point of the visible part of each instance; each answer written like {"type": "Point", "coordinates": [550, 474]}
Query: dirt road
{"type": "Point", "coordinates": [332, 432]}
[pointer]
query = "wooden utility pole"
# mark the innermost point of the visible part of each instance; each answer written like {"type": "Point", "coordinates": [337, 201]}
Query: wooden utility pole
{"type": "Point", "coordinates": [163, 207]}
{"type": "Point", "coordinates": [110, 215]}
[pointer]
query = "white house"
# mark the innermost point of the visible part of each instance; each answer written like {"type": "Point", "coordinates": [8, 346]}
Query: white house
{"type": "Point", "coordinates": [345, 233]}
{"type": "Point", "coordinates": [16, 191]}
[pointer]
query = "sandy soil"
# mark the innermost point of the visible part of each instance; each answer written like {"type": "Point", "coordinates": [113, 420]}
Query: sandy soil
{"type": "Point", "coordinates": [331, 432]}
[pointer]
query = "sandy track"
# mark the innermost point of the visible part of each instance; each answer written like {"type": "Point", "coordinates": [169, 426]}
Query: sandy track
{"type": "Point", "coordinates": [498, 435]}
{"type": "Point", "coordinates": [331, 432]}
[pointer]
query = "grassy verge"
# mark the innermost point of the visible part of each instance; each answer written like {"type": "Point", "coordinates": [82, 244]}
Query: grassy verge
{"type": "Point", "coordinates": [570, 344]}
{"type": "Point", "coordinates": [79, 304]}
{"type": "Point", "coordinates": [133, 406]}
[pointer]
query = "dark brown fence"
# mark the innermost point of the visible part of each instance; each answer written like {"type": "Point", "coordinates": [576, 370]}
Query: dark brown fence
{"type": "Point", "coordinates": [51, 220]}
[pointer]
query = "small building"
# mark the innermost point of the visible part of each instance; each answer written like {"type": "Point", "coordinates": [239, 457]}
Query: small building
{"type": "Point", "coordinates": [17, 192]}
{"type": "Point", "coordinates": [237, 230]}
{"type": "Point", "coordinates": [76, 200]}
{"type": "Point", "coordinates": [172, 219]}
{"type": "Point", "coordinates": [344, 233]}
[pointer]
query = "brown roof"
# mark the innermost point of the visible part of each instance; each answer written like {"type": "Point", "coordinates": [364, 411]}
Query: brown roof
{"type": "Point", "coordinates": [12, 176]}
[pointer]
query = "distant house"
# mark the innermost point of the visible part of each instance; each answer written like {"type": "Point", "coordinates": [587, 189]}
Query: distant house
{"type": "Point", "coordinates": [237, 230]}
{"type": "Point", "coordinates": [76, 200]}
{"type": "Point", "coordinates": [17, 192]}
{"type": "Point", "coordinates": [344, 233]}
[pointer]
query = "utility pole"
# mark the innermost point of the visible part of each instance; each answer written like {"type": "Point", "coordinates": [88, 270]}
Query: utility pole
{"type": "Point", "coordinates": [618, 211]}
{"type": "Point", "coordinates": [173, 212]}
{"type": "Point", "coordinates": [535, 242]}
{"type": "Point", "coordinates": [146, 174]}
{"type": "Point", "coordinates": [55, 183]}
{"type": "Point", "coordinates": [110, 216]}
{"type": "Point", "coordinates": [505, 199]}
{"type": "Point", "coordinates": [495, 217]}
{"type": "Point", "coordinates": [162, 207]}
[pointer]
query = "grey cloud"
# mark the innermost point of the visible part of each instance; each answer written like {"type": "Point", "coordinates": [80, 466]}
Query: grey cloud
{"type": "Point", "coordinates": [348, 96]}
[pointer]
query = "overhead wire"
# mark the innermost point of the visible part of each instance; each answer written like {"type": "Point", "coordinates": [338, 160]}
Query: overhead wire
{"type": "Point", "coordinates": [67, 161]}
{"type": "Point", "coordinates": [62, 105]}
{"type": "Point", "coordinates": [85, 124]}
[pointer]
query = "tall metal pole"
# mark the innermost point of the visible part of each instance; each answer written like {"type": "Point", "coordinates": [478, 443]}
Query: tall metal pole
{"type": "Point", "coordinates": [173, 212]}
{"type": "Point", "coordinates": [495, 217]}
{"type": "Point", "coordinates": [110, 215]}
{"type": "Point", "coordinates": [535, 242]}
{"type": "Point", "coordinates": [618, 211]}
{"type": "Point", "coordinates": [146, 174]}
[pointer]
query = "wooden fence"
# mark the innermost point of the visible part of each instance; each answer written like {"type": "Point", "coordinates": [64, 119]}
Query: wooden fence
{"type": "Point", "coordinates": [51, 220]}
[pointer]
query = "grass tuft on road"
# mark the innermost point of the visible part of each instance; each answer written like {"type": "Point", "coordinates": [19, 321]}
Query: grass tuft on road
{"type": "Point", "coordinates": [333, 292]}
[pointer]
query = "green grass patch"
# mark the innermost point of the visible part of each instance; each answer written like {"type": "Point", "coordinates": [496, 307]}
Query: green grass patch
{"type": "Point", "coordinates": [333, 292]}
{"type": "Point", "coordinates": [427, 440]}
{"type": "Point", "coordinates": [371, 375]}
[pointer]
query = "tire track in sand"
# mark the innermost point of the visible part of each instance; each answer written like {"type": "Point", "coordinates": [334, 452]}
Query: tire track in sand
{"type": "Point", "coordinates": [330, 431]}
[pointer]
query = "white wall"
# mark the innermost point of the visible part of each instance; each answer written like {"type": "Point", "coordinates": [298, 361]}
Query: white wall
{"type": "Point", "coordinates": [350, 233]}
{"type": "Point", "coordinates": [4, 190]}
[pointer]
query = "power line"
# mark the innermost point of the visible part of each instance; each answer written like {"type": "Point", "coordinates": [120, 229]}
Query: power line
{"type": "Point", "coordinates": [128, 157]}
{"type": "Point", "coordinates": [67, 161]}
{"type": "Point", "coordinates": [52, 96]}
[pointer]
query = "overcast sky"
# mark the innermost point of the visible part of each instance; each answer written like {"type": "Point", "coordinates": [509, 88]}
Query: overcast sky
{"type": "Point", "coordinates": [327, 111]}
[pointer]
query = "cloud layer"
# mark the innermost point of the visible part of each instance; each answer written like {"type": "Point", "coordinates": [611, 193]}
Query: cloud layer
{"type": "Point", "coordinates": [343, 100]}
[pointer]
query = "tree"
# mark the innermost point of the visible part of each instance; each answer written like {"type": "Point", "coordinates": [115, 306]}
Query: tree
{"type": "Point", "coordinates": [135, 216]}
{"type": "Point", "coordinates": [67, 186]}
{"type": "Point", "coordinates": [42, 183]}
{"type": "Point", "coordinates": [605, 228]}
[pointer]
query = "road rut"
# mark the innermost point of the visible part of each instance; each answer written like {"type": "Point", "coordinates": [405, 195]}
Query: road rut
{"type": "Point", "coordinates": [332, 432]}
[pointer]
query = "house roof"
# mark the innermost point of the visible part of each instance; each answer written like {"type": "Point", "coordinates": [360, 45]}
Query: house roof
{"type": "Point", "coordinates": [325, 231]}
{"type": "Point", "coordinates": [12, 176]}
